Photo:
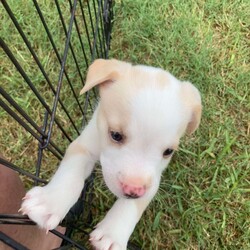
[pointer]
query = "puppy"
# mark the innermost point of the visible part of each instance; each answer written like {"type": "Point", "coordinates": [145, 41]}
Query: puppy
{"type": "Point", "coordinates": [135, 129]}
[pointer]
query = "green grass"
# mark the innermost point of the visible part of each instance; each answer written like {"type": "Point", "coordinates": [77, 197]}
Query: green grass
{"type": "Point", "coordinates": [203, 201]}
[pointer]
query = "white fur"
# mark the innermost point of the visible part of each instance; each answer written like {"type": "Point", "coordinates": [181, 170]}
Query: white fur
{"type": "Point", "coordinates": [156, 119]}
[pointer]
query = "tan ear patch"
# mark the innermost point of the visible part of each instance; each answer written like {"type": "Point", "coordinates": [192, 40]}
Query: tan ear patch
{"type": "Point", "coordinates": [195, 120]}
{"type": "Point", "coordinates": [192, 99]}
{"type": "Point", "coordinates": [103, 71]}
{"type": "Point", "coordinates": [75, 149]}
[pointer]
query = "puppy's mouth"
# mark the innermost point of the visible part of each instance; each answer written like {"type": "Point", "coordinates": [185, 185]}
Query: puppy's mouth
{"type": "Point", "coordinates": [131, 196]}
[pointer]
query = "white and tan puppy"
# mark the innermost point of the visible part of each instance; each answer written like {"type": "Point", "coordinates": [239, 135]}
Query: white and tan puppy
{"type": "Point", "coordinates": [142, 113]}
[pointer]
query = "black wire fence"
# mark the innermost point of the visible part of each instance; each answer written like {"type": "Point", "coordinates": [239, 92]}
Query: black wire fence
{"type": "Point", "coordinates": [46, 48]}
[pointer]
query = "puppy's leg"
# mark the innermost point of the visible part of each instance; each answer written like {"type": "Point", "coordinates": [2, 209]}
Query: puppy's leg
{"type": "Point", "coordinates": [113, 232]}
{"type": "Point", "coordinates": [48, 205]}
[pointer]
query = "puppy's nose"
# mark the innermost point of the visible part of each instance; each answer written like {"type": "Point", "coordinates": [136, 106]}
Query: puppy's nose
{"type": "Point", "coordinates": [133, 191]}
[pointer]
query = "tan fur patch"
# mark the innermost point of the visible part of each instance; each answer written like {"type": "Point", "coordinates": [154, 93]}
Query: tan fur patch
{"type": "Point", "coordinates": [104, 71]}
{"type": "Point", "coordinates": [74, 149]}
{"type": "Point", "coordinates": [143, 77]}
{"type": "Point", "coordinates": [195, 120]}
{"type": "Point", "coordinates": [191, 97]}
{"type": "Point", "coordinates": [110, 119]}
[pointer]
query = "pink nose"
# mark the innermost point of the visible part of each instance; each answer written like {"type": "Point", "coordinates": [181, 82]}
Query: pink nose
{"type": "Point", "coordinates": [133, 191]}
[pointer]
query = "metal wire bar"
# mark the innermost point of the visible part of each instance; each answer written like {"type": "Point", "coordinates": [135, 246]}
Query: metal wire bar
{"type": "Point", "coordinates": [70, 45]}
{"type": "Point", "coordinates": [26, 117]}
{"type": "Point", "coordinates": [79, 36]}
{"type": "Point", "coordinates": [30, 84]}
{"type": "Point", "coordinates": [21, 111]}
{"type": "Point", "coordinates": [59, 86]}
{"type": "Point", "coordinates": [86, 26]}
{"type": "Point", "coordinates": [27, 128]}
{"type": "Point", "coordinates": [68, 33]}
{"type": "Point", "coordinates": [40, 148]}
{"type": "Point", "coordinates": [107, 22]}
{"type": "Point", "coordinates": [58, 153]}
{"type": "Point", "coordinates": [97, 18]}
{"type": "Point", "coordinates": [15, 219]}
{"type": "Point", "coordinates": [102, 30]}
{"type": "Point", "coordinates": [58, 57]}
{"type": "Point", "coordinates": [95, 32]}
{"type": "Point", "coordinates": [94, 46]}
{"type": "Point", "coordinates": [26, 41]}
{"type": "Point", "coordinates": [10, 242]}
{"type": "Point", "coordinates": [82, 46]}
{"type": "Point", "coordinates": [70, 241]}
{"type": "Point", "coordinates": [21, 171]}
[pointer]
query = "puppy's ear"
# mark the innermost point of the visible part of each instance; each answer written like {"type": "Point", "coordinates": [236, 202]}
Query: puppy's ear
{"type": "Point", "coordinates": [192, 100]}
{"type": "Point", "coordinates": [102, 72]}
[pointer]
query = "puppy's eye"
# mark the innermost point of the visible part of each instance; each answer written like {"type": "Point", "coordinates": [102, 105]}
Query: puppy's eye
{"type": "Point", "coordinates": [116, 136]}
{"type": "Point", "coordinates": [168, 152]}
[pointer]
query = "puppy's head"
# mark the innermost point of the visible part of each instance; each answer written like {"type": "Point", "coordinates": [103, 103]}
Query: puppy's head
{"type": "Point", "coordinates": [142, 114]}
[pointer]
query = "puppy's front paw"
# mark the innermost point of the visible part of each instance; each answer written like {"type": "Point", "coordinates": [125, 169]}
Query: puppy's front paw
{"type": "Point", "coordinates": [107, 238]}
{"type": "Point", "coordinates": [43, 206]}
